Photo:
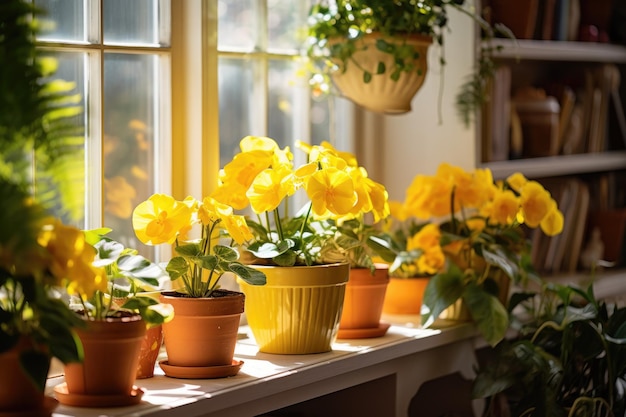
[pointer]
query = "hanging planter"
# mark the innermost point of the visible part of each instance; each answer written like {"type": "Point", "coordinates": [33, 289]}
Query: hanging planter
{"type": "Point", "coordinates": [372, 77]}
{"type": "Point", "coordinates": [298, 310]}
{"type": "Point", "coordinates": [363, 304]}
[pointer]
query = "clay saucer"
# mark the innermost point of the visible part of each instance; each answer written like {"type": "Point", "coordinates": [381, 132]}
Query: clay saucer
{"type": "Point", "coordinates": [100, 400]}
{"type": "Point", "coordinates": [201, 372]}
{"type": "Point", "coordinates": [363, 333]}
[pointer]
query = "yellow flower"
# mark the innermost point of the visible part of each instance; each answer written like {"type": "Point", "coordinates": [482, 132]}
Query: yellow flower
{"type": "Point", "coordinates": [258, 143]}
{"type": "Point", "coordinates": [427, 238]}
{"type": "Point", "coordinates": [72, 259]}
{"type": "Point", "coordinates": [270, 187]}
{"type": "Point", "coordinates": [503, 209]}
{"type": "Point", "coordinates": [237, 228]}
{"type": "Point", "coordinates": [431, 261]}
{"type": "Point", "coordinates": [331, 190]}
{"type": "Point", "coordinates": [160, 219]}
{"type": "Point", "coordinates": [552, 223]}
{"type": "Point", "coordinates": [516, 181]}
{"type": "Point", "coordinates": [536, 203]}
{"type": "Point", "coordinates": [398, 211]}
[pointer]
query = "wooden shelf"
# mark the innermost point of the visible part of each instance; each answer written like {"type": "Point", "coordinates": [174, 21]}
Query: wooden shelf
{"type": "Point", "coordinates": [559, 51]}
{"type": "Point", "coordinates": [559, 165]}
{"type": "Point", "coordinates": [403, 359]}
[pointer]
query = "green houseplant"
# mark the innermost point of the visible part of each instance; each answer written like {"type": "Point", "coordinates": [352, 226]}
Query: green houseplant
{"type": "Point", "coordinates": [567, 360]}
{"type": "Point", "coordinates": [196, 271]}
{"type": "Point", "coordinates": [384, 43]}
{"type": "Point", "coordinates": [288, 242]}
{"type": "Point", "coordinates": [35, 138]}
{"type": "Point", "coordinates": [476, 223]}
{"type": "Point", "coordinates": [116, 312]}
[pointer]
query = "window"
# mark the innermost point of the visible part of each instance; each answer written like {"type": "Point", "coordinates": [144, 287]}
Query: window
{"type": "Point", "coordinates": [122, 55]}
{"type": "Point", "coordinates": [263, 86]}
{"type": "Point", "coordinates": [118, 54]}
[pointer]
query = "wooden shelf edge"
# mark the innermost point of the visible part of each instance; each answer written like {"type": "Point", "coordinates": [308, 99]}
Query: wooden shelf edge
{"type": "Point", "coordinates": [559, 165]}
{"type": "Point", "coordinates": [559, 50]}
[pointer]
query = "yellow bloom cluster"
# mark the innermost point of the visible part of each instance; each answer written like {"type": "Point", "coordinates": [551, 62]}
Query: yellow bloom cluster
{"type": "Point", "coordinates": [162, 219]}
{"type": "Point", "coordinates": [72, 259]}
{"type": "Point", "coordinates": [470, 206]}
{"type": "Point", "coordinates": [452, 190]}
{"type": "Point", "coordinates": [262, 175]}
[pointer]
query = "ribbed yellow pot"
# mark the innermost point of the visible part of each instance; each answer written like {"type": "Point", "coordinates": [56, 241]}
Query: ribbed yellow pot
{"type": "Point", "coordinates": [299, 308]}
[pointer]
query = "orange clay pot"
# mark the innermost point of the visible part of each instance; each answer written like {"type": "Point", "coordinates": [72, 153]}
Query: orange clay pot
{"type": "Point", "coordinates": [404, 295]}
{"type": "Point", "coordinates": [149, 352]}
{"type": "Point", "coordinates": [365, 295]}
{"type": "Point", "coordinates": [203, 332]}
{"type": "Point", "coordinates": [111, 356]}
{"type": "Point", "coordinates": [18, 393]}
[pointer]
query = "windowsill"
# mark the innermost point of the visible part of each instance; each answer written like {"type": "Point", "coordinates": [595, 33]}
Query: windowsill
{"type": "Point", "coordinates": [267, 381]}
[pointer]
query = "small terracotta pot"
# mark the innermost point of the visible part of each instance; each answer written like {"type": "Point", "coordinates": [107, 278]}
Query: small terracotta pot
{"type": "Point", "coordinates": [365, 295]}
{"type": "Point", "coordinates": [18, 393]}
{"type": "Point", "coordinates": [405, 295]}
{"type": "Point", "coordinates": [149, 352]}
{"type": "Point", "coordinates": [203, 331]}
{"type": "Point", "coordinates": [111, 356]}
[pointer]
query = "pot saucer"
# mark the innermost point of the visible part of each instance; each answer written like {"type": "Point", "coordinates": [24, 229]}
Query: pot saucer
{"type": "Point", "coordinates": [363, 333]}
{"type": "Point", "coordinates": [46, 409]}
{"type": "Point", "coordinates": [102, 400]}
{"type": "Point", "coordinates": [201, 372]}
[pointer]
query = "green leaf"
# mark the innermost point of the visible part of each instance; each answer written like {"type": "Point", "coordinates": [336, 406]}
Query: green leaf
{"type": "Point", "coordinates": [488, 313]}
{"type": "Point", "coordinates": [442, 291]}
{"type": "Point", "coordinates": [381, 68]}
{"type": "Point", "coordinates": [176, 267]}
{"type": "Point", "coordinates": [367, 77]}
{"type": "Point", "coordinates": [250, 275]}
{"type": "Point", "coordinates": [208, 262]}
{"type": "Point", "coordinates": [189, 249]}
{"type": "Point", "coordinates": [36, 364]}
{"type": "Point", "coordinates": [226, 253]}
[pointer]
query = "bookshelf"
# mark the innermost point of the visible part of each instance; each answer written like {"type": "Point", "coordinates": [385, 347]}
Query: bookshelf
{"type": "Point", "coordinates": [595, 162]}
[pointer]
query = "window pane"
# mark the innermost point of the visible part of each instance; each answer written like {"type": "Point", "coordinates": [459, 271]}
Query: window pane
{"type": "Point", "coordinates": [320, 120]}
{"type": "Point", "coordinates": [284, 102]}
{"type": "Point", "coordinates": [71, 68]}
{"type": "Point", "coordinates": [65, 17]}
{"type": "Point", "coordinates": [286, 25]}
{"type": "Point", "coordinates": [235, 98]}
{"type": "Point", "coordinates": [131, 22]}
{"type": "Point", "coordinates": [129, 130]}
{"type": "Point", "coordinates": [238, 24]}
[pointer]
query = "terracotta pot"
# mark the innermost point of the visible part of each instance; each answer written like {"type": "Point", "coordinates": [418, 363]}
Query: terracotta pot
{"type": "Point", "coordinates": [19, 394]}
{"type": "Point", "coordinates": [111, 349]}
{"type": "Point", "coordinates": [363, 302]}
{"type": "Point", "coordinates": [203, 332]}
{"type": "Point", "coordinates": [404, 295]}
{"type": "Point", "coordinates": [298, 310]}
{"type": "Point", "coordinates": [149, 352]}
{"type": "Point", "coordinates": [382, 94]}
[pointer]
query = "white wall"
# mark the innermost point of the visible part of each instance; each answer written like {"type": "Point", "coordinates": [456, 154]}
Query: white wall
{"type": "Point", "coordinates": [416, 142]}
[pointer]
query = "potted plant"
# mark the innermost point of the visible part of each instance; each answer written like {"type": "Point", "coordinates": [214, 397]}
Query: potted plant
{"type": "Point", "coordinates": [413, 258]}
{"type": "Point", "coordinates": [115, 313]}
{"type": "Point", "coordinates": [567, 358]}
{"type": "Point", "coordinates": [35, 324]}
{"type": "Point", "coordinates": [200, 340]}
{"type": "Point", "coordinates": [481, 227]}
{"type": "Point", "coordinates": [375, 51]}
{"type": "Point", "coordinates": [304, 291]}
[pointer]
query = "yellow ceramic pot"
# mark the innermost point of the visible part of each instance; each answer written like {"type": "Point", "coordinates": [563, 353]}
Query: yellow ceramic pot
{"type": "Point", "coordinates": [299, 308]}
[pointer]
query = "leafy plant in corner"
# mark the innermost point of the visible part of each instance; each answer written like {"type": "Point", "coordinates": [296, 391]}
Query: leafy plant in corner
{"type": "Point", "coordinates": [568, 360]}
